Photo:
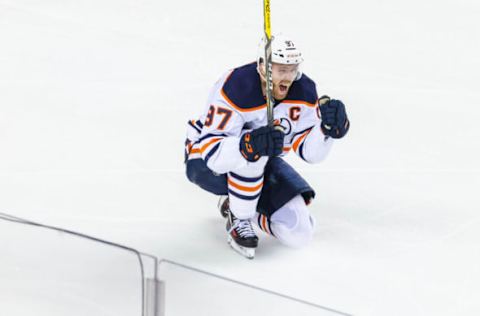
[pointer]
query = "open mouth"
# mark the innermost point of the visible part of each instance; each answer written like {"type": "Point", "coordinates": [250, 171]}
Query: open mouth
{"type": "Point", "coordinates": [283, 88]}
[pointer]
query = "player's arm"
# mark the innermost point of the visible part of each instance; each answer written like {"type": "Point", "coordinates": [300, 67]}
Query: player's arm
{"type": "Point", "coordinates": [194, 131]}
{"type": "Point", "coordinates": [330, 122]}
{"type": "Point", "coordinates": [225, 146]}
{"type": "Point", "coordinates": [218, 144]}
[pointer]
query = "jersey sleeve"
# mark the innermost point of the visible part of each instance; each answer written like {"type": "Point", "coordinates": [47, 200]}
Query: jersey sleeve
{"type": "Point", "coordinates": [309, 143]}
{"type": "Point", "coordinates": [219, 141]}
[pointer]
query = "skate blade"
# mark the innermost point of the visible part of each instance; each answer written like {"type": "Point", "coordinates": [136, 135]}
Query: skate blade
{"type": "Point", "coordinates": [248, 253]}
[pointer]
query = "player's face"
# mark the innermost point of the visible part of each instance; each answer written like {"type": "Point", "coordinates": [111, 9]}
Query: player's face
{"type": "Point", "coordinates": [283, 77]}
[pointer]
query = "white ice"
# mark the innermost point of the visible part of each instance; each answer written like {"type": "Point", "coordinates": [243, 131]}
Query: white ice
{"type": "Point", "coordinates": [94, 96]}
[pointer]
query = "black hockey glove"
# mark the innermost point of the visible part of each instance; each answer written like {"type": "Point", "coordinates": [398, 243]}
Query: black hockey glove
{"type": "Point", "coordinates": [263, 141]}
{"type": "Point", "coordinates": [335, 122]}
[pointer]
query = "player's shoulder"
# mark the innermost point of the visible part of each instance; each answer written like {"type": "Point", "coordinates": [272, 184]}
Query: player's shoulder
{"type": "Point", "coordinates": [242, 89]}
{"type": "Point", "coordinates": [303, 91]}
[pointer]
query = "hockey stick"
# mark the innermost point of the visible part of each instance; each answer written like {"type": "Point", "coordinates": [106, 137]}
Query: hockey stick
{"type": "Point", "coordinates": [268, 60]}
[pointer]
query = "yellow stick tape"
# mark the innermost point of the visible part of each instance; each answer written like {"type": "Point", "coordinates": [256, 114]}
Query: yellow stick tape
{"type": "Point", "coordinates": [266, 16]}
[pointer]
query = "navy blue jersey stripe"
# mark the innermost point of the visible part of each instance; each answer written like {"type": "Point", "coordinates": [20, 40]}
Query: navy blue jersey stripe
{"type": "Point", "coordinates": [196, 128]}
{"type": "Point", "coordinates": [270, 227]}
{"type": "Point", "coordinates": [243, 197]}
{"type": "Point", "coordinates": [244, 179]}
{"type": "Point", "coordinates": [209, 136]}
{"type": "Point", "coordinates": [212, 151]}
{"type": "Point", "coordinates": [199, 123]}
{"type": "Point", "coordinates": [300, 150]}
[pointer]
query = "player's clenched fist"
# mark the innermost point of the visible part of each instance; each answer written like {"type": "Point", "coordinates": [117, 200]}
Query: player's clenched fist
{"type": "Point", "coordinates": [335, 122]}
{"type": "Point", "coordinates": [263, 141]}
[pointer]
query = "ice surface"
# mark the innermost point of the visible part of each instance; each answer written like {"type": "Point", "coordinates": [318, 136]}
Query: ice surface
{"type": "Point", "coordinates": [94, 96]}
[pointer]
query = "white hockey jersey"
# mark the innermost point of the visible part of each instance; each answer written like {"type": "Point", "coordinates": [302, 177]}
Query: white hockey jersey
{"type": "Point", "coordinates": [236, 105]}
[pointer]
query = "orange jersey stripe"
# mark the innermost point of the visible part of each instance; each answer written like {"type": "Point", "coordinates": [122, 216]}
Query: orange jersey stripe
{"type": "Point", "coordinates": [264, 224]}
{"type": "Point", "coordinates": [244, 188]}
{"type": "Point", "coordinates": [300, 102]}
{"type": "Point", "coordinates": [204, 147]}
{"type": "Point", "coordinates": [239, 108]}
{"type": "Point", "coordinates": [213, 141]}
{"type": "Point", "coordinates": [299, 140]}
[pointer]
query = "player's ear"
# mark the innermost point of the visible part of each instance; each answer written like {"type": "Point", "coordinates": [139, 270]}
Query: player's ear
{"type": "Point", "coordinates": [261, 68]}
{"type": "Point", "coordinates": [299, 75]}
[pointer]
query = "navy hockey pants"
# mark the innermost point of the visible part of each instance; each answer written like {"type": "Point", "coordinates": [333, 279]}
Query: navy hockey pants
{"type": "Point", "coordinates": [281, 183]}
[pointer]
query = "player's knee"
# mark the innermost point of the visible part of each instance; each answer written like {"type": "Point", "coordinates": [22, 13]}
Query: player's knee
{"type": "Point", "coordinates": [297, 237]}
{"type": "Point", "coordinates": [293, 224]}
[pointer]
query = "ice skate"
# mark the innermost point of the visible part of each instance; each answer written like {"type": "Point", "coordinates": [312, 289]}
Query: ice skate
{"type": "Point", "coordinates": [223, 206]}
{"type": "Point", "coordinates": [241, 236]}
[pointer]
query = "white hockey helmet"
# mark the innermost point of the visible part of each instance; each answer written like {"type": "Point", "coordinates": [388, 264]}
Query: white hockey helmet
{"type": "Point", "coordinates": [284, 51]}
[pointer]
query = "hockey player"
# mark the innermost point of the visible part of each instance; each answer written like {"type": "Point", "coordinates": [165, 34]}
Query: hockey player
{"type": "Point", "coordinates": [231, 152]}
